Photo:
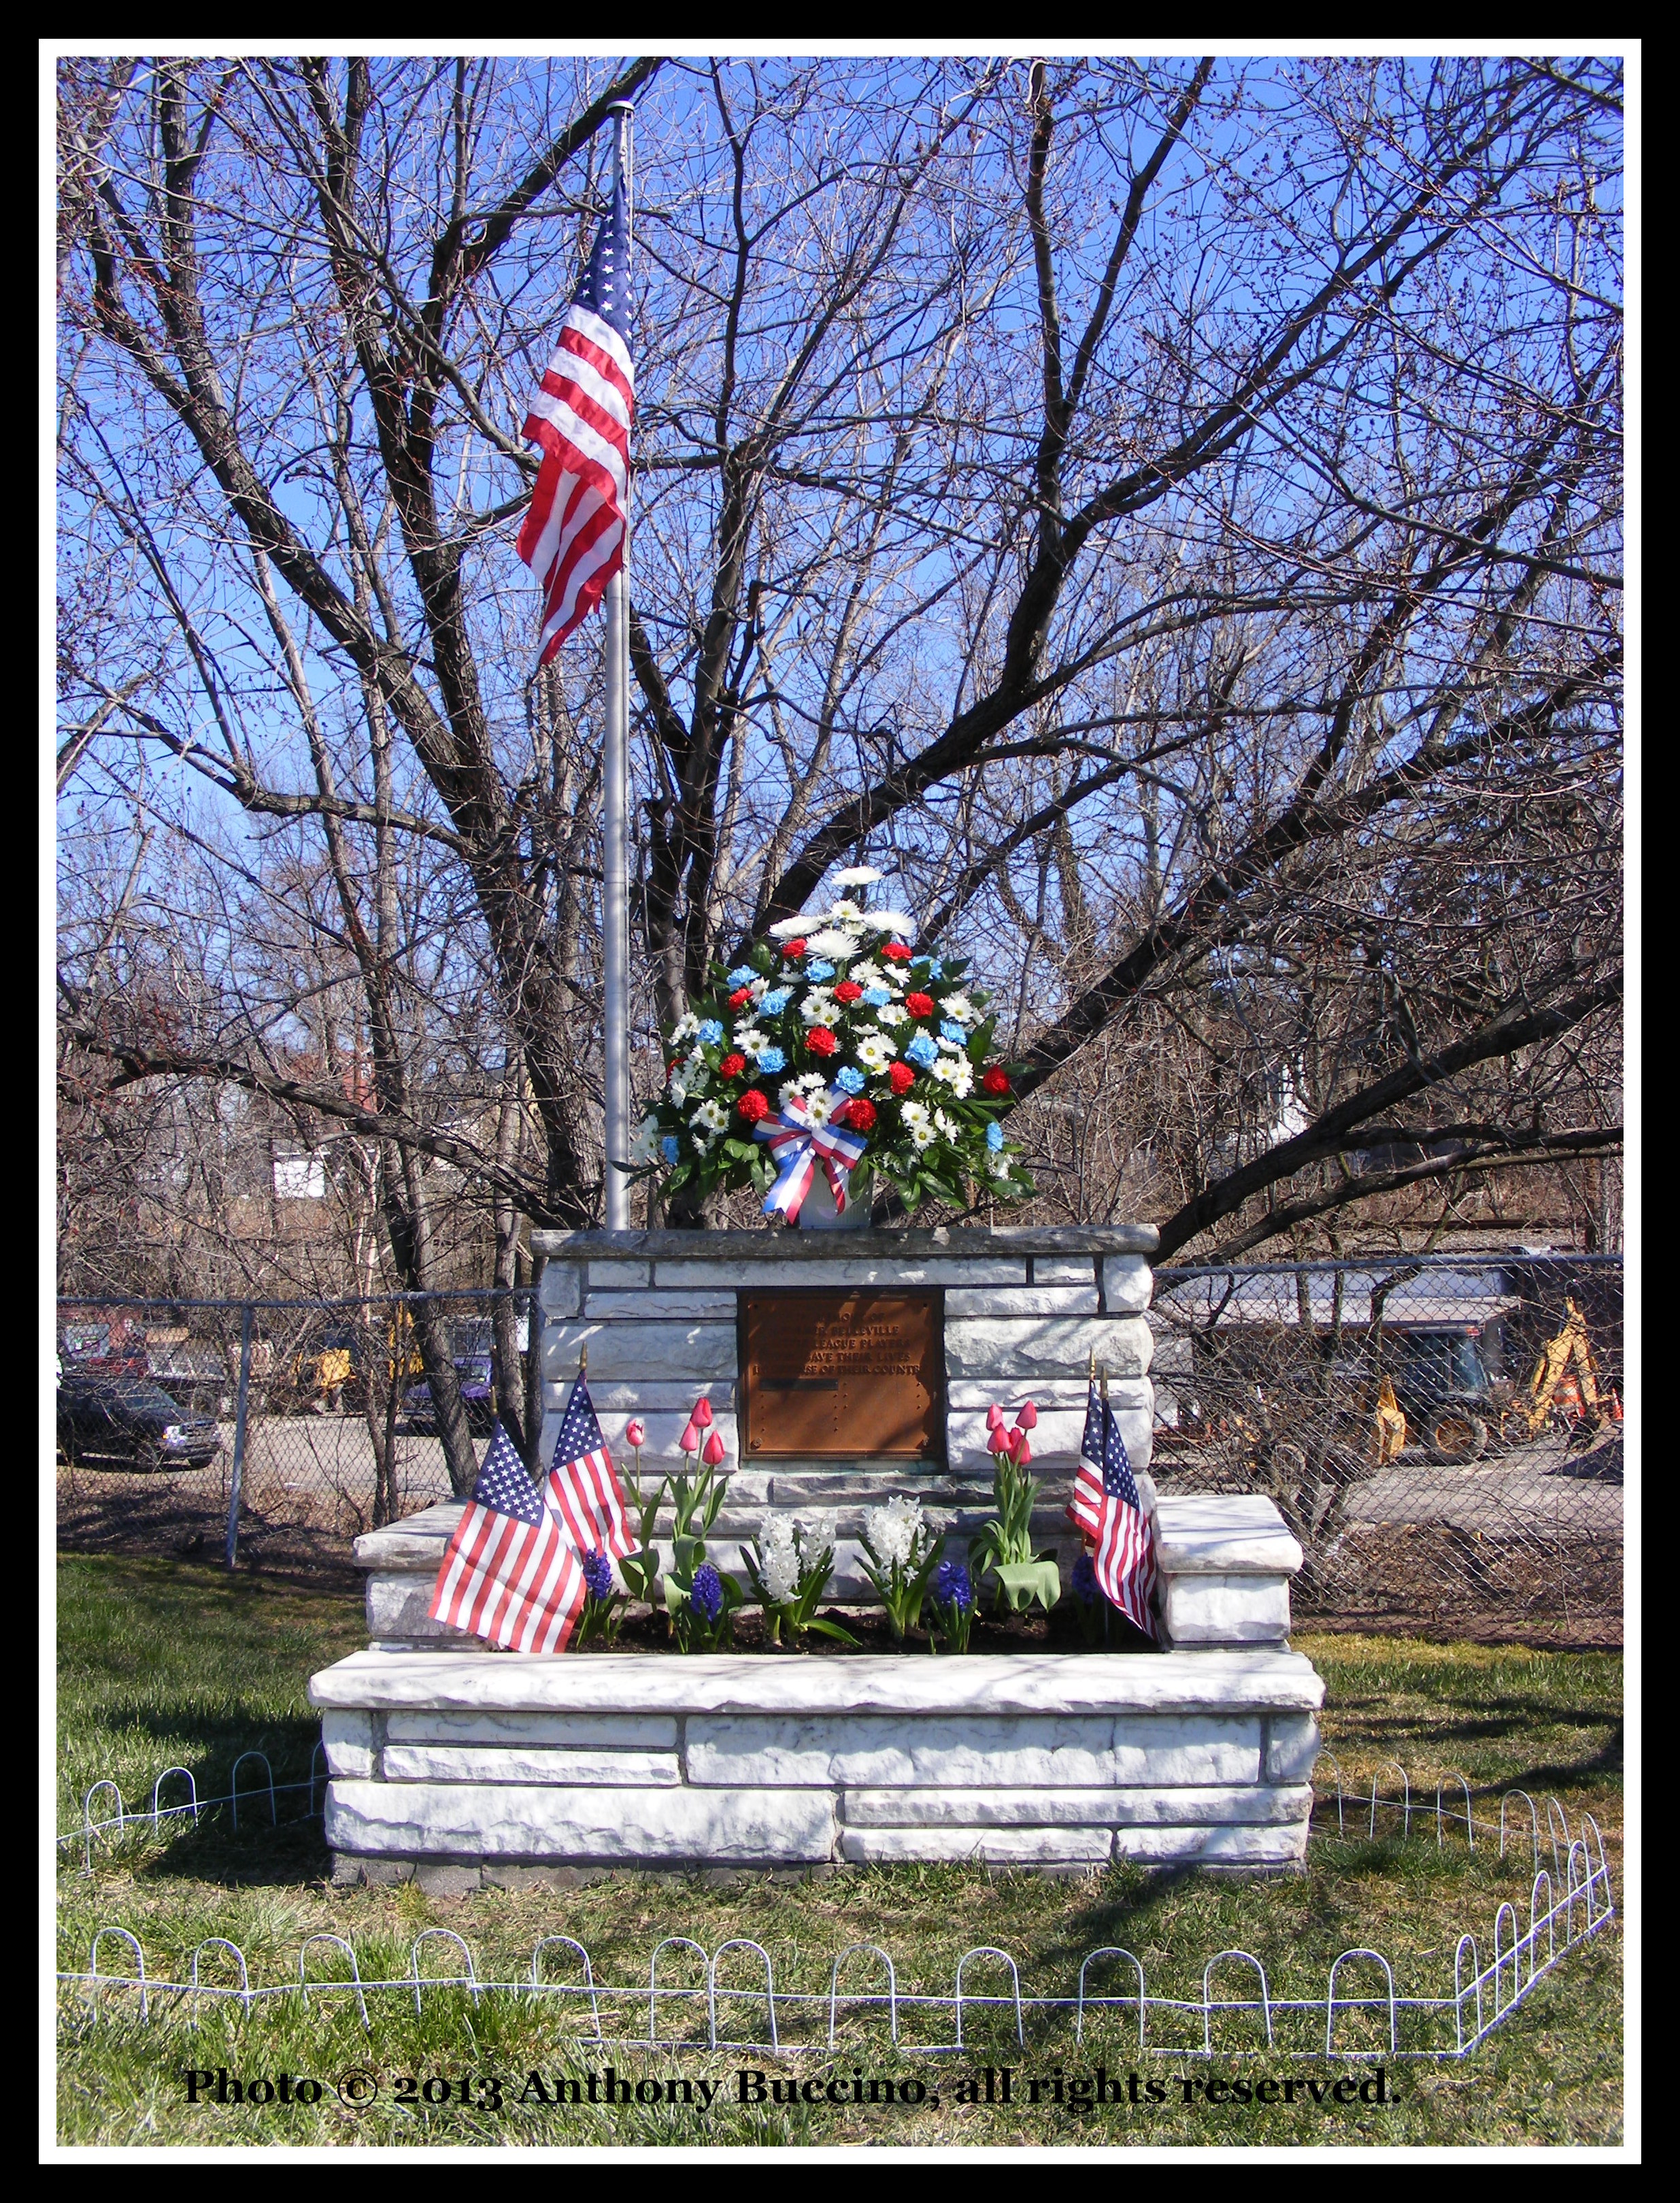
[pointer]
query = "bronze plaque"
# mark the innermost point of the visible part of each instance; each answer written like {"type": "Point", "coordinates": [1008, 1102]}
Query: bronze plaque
{"type": "Point", "coordinates": [850, 1372]}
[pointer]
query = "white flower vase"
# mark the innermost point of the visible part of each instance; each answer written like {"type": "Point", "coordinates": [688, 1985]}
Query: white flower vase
{"type": "Point", "coordinates": [816, 1210]}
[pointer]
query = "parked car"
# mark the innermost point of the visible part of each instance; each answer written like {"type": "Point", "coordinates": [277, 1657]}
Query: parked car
{"type": "Point", "coordinates": [130, 1419]}
{"type": "Point", "coordinates": [475, 1367]}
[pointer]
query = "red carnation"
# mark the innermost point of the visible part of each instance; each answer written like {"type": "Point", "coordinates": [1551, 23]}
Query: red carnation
{"type": "Point", "coordinates": [859, 1114]}
{"type": "Point", "coordinates": [848, 991]}
{"type": "Point", "coordinates": [820, 1041]}
{"type": "Point", "coordinates": [896, 953]}
{"type": "Point", "coordinates": [794, 949]}
{"type": "Point", "coordinates": [732, 1067]}
{"type": "Point", "coordinates": [902, 1078]}
{"type": "Point", "coordinates": [742, 995]}
{"type": "Point", "coordinates": [994, 1079]}
{"type": "Point", "coordinates": [919, 1005]}
{"type": "Point", "coordinates": [752, 1106]}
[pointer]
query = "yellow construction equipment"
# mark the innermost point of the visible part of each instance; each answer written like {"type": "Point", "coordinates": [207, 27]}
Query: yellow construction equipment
{"type": "Point", "coordinates": [1388, 1423]}
{"type": "Point", "coordinates": [1564, 1385]}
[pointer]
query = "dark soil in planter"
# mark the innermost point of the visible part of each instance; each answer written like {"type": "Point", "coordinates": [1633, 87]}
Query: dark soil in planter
{"type": "Point", "coordinates": [1036, 1632]}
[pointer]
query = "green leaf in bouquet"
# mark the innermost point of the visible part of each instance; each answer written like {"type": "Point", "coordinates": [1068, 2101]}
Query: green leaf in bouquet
{"type": "Point", "coordinates": [741, 1151]}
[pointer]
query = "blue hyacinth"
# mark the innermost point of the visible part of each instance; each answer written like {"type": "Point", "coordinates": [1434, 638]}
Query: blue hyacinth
{"type": "Point", "coordinates": [669, 1148]}
{"type": "Point", "coordinates": [1085, 1588]}
{"type": "Point", "coordinates": [924, 1050]}
{"type": "Point", "coordinates": [775, 1001]}
{"type": "Point", "coordinates": [819, 970]}
{"type": "Point", "coordinates": [951, 1587]}
{"type": "Point", "coordinates": [742, 976]}
{"type": "Point", "coordinates": [705, 1593]}
{"type": "Point", "coordinates": [995, 1137]}
{"type": "Point", "coordinates": [710, 1034]}
{"type": "Point", "coordinates": [876, 997]}
{"type": "Point", "coordinates": [771, 1060]}
{"type": "Point", "coordinates": [850, 1080]}
{"type": "Point", "coordinates": [598, 1575]}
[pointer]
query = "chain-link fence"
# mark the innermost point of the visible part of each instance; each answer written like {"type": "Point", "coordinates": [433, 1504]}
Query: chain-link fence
{"type": "Point", "coordinates": [277, 1430]}
{"type": "Point", "coordinates": [1443, 1433]}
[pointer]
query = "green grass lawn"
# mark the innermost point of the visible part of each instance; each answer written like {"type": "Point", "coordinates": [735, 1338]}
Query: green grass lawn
{"type": "Point", "coordinates": [161, 1664]}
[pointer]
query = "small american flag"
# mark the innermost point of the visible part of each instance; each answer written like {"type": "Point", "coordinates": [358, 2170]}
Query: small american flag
{"type": "Point", "coordinates": [573, 539]}
{"type": "Point", "coordinates": [583, 1487]}
{"type": "Point", "coordinates": [1107, 1508]}
{"type": "Point", "coordinates": [510, 1575]}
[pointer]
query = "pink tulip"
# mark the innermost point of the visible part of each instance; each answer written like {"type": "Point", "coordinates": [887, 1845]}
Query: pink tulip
{"type": "Point", "coordinates": [994, 1417]}
{"type": "Point", "coordinates": [702, 1415]}
{"type": "Point", "coordinates": [714, 1450]}
{"type": "Point", "coordinates": [635, 1433]}
{"type": "Point", "coordinates": [1021, 1450]}
{"type": "Point", "coordinates": [690, 1440]}
{"type": "Point", "coordinates": [1027, 1417]}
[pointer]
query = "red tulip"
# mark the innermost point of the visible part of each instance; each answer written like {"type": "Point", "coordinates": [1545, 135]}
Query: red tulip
{"type": "Point", "coordinates": [635, 1433]}
{"type": "Point", "coordinates": [690, 1440]}
{"type": "Point", "coordinates": [713, 1450]}
{"type": "Point", "coordinates": [994, 1415]}
{"type": "Point", "coordinates": [702, 1414]}
{"type": "Point", "coordinates": [1027, 1417]}
{"type": "Point", "coordinates": [1021, 1450]}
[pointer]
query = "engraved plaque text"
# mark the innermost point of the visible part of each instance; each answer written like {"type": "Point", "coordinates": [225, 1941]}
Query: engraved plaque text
{"type": "Point", "coordinates": [849, 1373]}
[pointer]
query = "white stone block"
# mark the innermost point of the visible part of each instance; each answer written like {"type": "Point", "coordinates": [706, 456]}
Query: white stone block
{"type": "Point", "coordinates": [633, 1350]}
{"type": "Point", "coordinates": [1000, 1346]}
{"type": "Point", "coordinates": [645, 1397]}
{"type": "Point", "coordinates": [1221, 1533]}
{"type": "Point", "coordinates": [398, 1606]}
{"type": "Point", "coordinates": [617, 1276]}
{"type": "Point", "coordinates": [1006, 1753]}
{"type": "Point", "coordinates": [1226, 1610]}
{"type": "Point", "coordinates": [1187, 1807]}
{"type": "Point", "coordinates": [1069, 1393]}
{"type": "Point", "coordinates": [585, 1826]}
{"type": "Point", "coordinates": [522, 1763]}
{"type": "Point", "coordinates": [1292, 1748]}
{"type": "Point", "coordinates": [349, 1741]}
{"type": "Point", "coordinates": [1056, 1442]}
{"type": "Point", "coordinates": [561, 1292]}
{"type": "Point", "coordinates": [761, 1277]}
{"type": "Point", "coordinates": [1065, 1270]}
{"type": "Point", "coordinates": [989, 1846]}
{"type": "Point", "coordinates": [582, 1732]}
{"type": "Point", "coordinates": [664, 1428]}
{"type": "Point", "coordinates": [659, 1307]}
{"type": "Point", "coordinates": [1020, 1300]}
{"type": "Point", "coordinates": [1283, 1846]}
{"type": "Point", "coordinates": [1128, 1283]}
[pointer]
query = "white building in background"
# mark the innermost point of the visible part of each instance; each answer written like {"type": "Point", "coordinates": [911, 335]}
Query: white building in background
{"type": "Point", "coordinates": [301, 1177]}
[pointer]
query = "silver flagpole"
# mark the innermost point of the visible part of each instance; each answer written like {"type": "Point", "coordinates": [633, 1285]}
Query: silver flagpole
{"type": "Point", "coordinates": [616, 778]}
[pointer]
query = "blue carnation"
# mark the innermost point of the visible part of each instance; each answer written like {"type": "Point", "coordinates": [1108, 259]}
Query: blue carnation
{"type": "Point", "coordinates": [952, 1031]}
{"type": "Point", "coordinates": [710, 1034]}
{"type": "Point", "coordinates": [819, 970]}
{"type": "Point", "coordinates": [935, 968]}
{"type": "Point", "coordinates": [598, 1575]}
{"type": "Point", "coordinates": [951, 1587]}
{"type": "Point", "coordinates": [705, 1594]}
{"type": "Point", "coordinates": [1085, 1588]}
{"type": "Point", "coordinates": [742, 976]}
{"type": "Point", "coordinates": [850, 1079]}
{"type": "Point", "coordinates": [995, 1137]}
{"type": "Point", "coordinates": [924, 1050]}
{"type": "Point", "coordinates": [669, 1148]}
{"type": "Point", "coordinates": [876, 997]}
{"type": "Point", "coordinates": [771, 1060]}
{"type": "Point", "coordinates": [775, 1001]}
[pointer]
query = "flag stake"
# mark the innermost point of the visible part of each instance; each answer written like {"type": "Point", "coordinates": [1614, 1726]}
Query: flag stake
{"type": "Point", "coordinates": [615, 773]}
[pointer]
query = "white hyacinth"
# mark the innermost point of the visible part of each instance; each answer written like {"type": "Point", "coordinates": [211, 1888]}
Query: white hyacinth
{"type": "Point", "coordinates": [894, 1529]}
{"type": "Point", "coordinates": [778, 1564]}
{"type": "Point", "coordinates": [856, 876]}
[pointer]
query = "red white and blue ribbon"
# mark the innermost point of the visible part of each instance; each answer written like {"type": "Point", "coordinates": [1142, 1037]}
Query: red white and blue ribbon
{"type": "Point", "coordinates": [800, 1146]}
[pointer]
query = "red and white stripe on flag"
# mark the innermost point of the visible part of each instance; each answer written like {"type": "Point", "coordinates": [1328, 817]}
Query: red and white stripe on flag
{"type": "Point", "coordinates": [516, 1584]}
{"type": "Point", "coordinates": [1125, 1562]}
{"type": "Point", "coordinates": [573, 539]}
{"type": "Point", "coordinates": [585, 1494]}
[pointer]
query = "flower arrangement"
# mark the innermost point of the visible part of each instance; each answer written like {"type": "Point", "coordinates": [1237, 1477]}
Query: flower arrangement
{"type": "Point", "coordinates": [835, 1045]}
{"type": "Point", "coordinates": [1004, 1548]}
{"type": "Point", "coordinates": [902, 1552]}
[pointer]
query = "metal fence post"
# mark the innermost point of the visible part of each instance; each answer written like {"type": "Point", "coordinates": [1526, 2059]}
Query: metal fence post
{"type": "Point", "coordinates": [240, 1421]}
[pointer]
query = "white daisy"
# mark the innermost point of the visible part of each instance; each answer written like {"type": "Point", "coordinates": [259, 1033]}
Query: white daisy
{"type": "Point", "coordinates": [842, 911]}
{"type": "Point", "coordinates": [749, 1040]}
{"type": "Point", "coordinates": [951, 1047]}
{"type": "Point", "coordinates": [889, 1014]}
{"type": "Point", "coordinates": [819, 1007]}
{"type": "Point", "coordinates": [679, 1087]}
{"type": "Point", "coordinates": [685, 1029]}
{"type": "Point", "coordinates": [944, 1124]}
{"type": "Point", "coordinates": [873, 1053]}
{"type": "Point", "coordinates": [819, 1108]}
{"type": "Point", "coordinates": [856, 876]}
{"type": "Point", "coordinates": [800, 1089]}
{"type": "Point", "coordinates": [922, 1135]}
{"type": "Point", "coordinates": [913, 1113]}
{"type": "Point", "coordinates": [645, 1148]}
{"type": "Point", "coordinates": [709, 1117]}
{"type": "Point", "coordinates": [956, 1073]}
{"type": "Point", "coordinates": [961, 1008]}
{"type": "Point", "coordinates": [873, 975]}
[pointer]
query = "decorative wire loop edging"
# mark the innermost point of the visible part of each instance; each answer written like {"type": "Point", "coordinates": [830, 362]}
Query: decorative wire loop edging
{"type": "Point", "coordinates": [891, 1988]}
{"type": "Point", "coordinates": [155, 1814]}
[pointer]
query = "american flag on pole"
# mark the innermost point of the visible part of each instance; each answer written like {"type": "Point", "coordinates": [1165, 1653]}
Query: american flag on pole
{"type": "Point", "coordinates": [511, 1573]}
{"type": "Point", "coordinates": [583, 1487]}
{"type": "Point", "coordinates": [573, 539]}
{"type": "Point", "coordinates": [1108, 1507]}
